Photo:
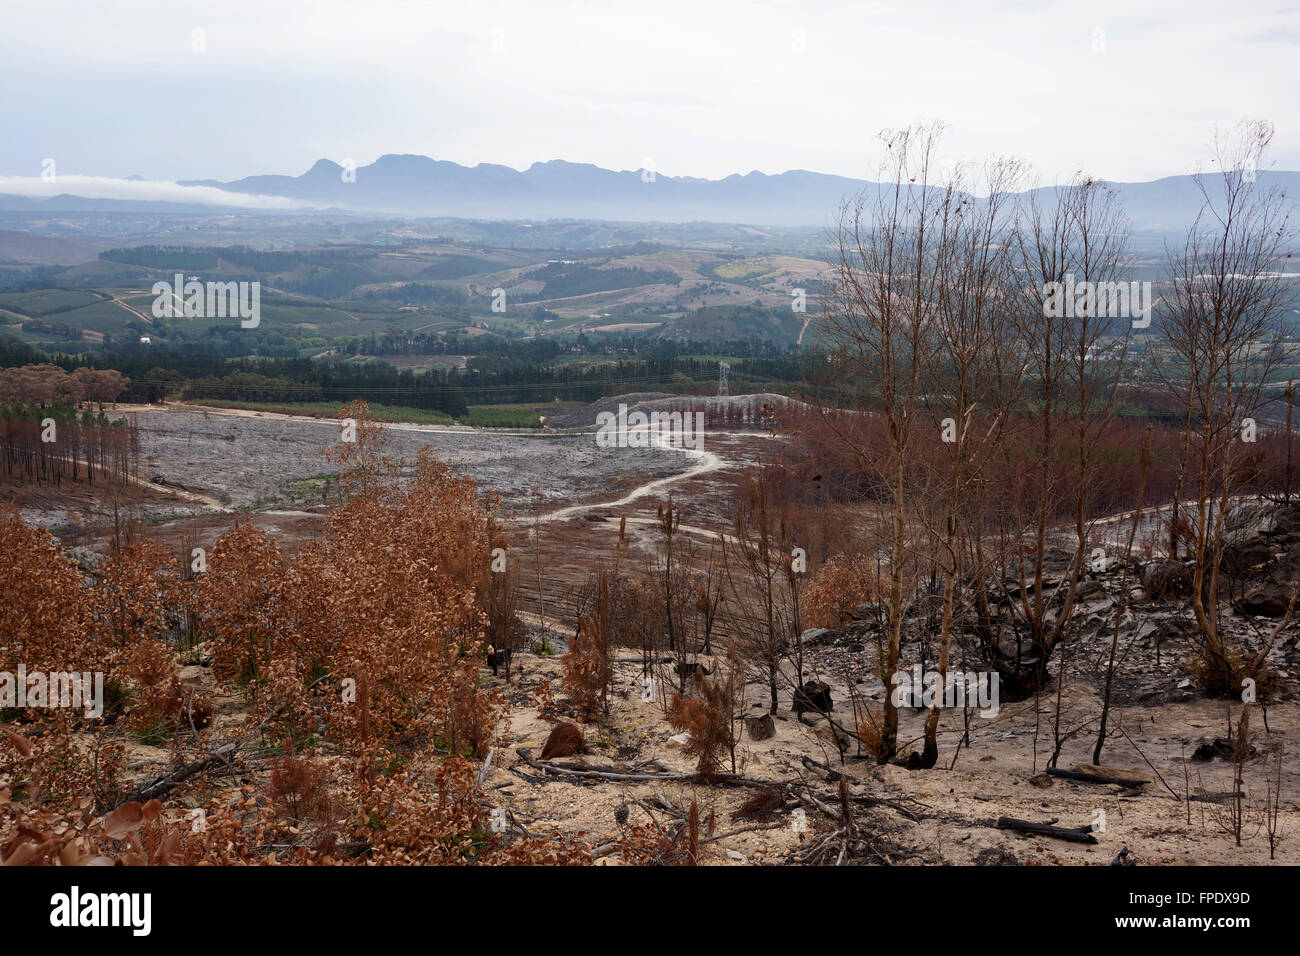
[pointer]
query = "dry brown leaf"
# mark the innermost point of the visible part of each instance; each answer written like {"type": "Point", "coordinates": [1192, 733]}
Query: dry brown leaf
{"type": "Point", "coordinates": [123, 820]}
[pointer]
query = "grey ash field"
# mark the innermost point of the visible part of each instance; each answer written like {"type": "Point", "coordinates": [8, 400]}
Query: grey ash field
{"type": "Point", "coordinates": [201, 459]}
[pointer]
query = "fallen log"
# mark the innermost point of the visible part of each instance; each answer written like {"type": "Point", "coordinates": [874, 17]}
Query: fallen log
{"type": "Point", "coordinates": [1090, 773]}
{"type": "Point", "coordinates": [570, 771]}
{"type": "Point", "coordinates": [913, 815]}
{"type": "Point", "coordinates": [1075, 835]}
{"type": "Point", "coordinates": [165, 783]}
{"type": "Point", "coordinates": [820, 769]}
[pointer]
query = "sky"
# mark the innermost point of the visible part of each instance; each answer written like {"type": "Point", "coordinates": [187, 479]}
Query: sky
{"type": "Point", "coordinates": [1126, 91]}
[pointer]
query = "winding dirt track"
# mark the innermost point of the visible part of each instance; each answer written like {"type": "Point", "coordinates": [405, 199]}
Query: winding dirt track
{"type": "Point", "coordinates": [707, 462]}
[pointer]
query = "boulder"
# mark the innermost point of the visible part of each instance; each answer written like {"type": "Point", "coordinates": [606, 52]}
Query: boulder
{"type": "Point", "coordinates": [1253, 520]}
{"type": "Point", "coordinates": [1265, 599]}
{"type": "Point", "coordinates": [1220, 747]}
{"type": "Point", "coordinates": [1167, 579]}
{"type": "Point", "coordinates": [1267, 592]}
{"type": "Point", "coordinates": [814, 695]}
{"type": "Point", "coordinates": [761, 727]}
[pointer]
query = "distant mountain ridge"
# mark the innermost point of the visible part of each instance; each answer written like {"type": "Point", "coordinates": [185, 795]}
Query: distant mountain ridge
{"type": "Point", "coordinates": [410, 185]}
{"type": "Point", "coordinates": [418, 185]}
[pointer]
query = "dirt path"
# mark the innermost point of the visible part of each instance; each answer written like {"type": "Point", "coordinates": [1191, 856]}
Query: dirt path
{"type": "Point", "coordinates": [708, 462]}
{"type": "Point", "coordinates": [139, 315]}
{"type": "Point", "coordinates": [197, 497]}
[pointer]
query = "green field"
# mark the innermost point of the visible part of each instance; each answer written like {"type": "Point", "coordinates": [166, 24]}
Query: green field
{"type": "Point", "coordinates": [103, 316]}
{"type": "Point", "coordinates": [741, 270]}
{"type": "Point", "coordinates": [382, 413]}
{"type": "Point", "coordinates": [523, 415]}
{"type": "Point", "coordinates": [43, 302]}
{"type": "Point", "coordinates": [502, 416]}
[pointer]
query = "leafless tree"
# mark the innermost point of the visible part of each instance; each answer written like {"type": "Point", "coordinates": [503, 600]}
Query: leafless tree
{"type": "Point", "coordinates": [1076, 243]}
{"type": "Point", "coordinates": [876, 322]}
{"type": "Point", "coordinates": [1220, 321]}
{"type": "Point", "coordinates": [759, 611]}
{"type": "Point", "coordinates": [973, 371]}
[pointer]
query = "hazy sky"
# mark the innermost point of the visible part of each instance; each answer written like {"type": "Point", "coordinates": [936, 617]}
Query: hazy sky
{"type": "Point", "coordinates": [1126, 90]}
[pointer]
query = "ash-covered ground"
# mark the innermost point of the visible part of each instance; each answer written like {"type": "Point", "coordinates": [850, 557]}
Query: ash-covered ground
{"type": "Point", "coordinates": [195, 460]}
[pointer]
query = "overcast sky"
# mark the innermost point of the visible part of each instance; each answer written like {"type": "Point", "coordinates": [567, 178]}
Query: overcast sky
{"type": "Point", "coordinates": [1128, 90]}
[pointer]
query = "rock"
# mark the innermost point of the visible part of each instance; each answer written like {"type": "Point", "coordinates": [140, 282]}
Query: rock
{"type": "Point", "coordinates": [1173, 630]}
{"type": "Point", "coordinates": [814, 695]}
{"type": "Point", "coordinates": [813, 633]}
{"type": "Point", "coordinates": [679, 740]}
{"type": "Point", "coordinates": [1088, 588]}
{"type": "Point", "coordinates": [1104, 606]}
{"type": "Point", "coordinates": [1262, 519]}
{"type": "Point", "coordinates": [565, 741]}
{"type": "Point", "coordinates": [1219, 747]}
{"type": "Point", "coordinates": [760, 728]}
{"type": "Point", "coordinates": [1242, 557]}
{"type": "Point", "coordinates": [1167, 579]}
{"type": "Point", "coordinates": [832, 734]}
{"type": "Point", "coordinates": [1262, 551]}
{"type": "Point", "coordinates": [867, 612]}
{"type": "Point", "coordinates": [1042, 781]}
{"type": "Point", "coordinates": [88, 560]}
{"type": "Point", "coordinates": [1268, 592]}
{"type": "Point", "coordinates": [1263, 602]}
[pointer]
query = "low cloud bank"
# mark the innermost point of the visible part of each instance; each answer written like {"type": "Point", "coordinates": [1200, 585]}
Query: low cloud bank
{"type": "Point", "coordinates": [104, 187]}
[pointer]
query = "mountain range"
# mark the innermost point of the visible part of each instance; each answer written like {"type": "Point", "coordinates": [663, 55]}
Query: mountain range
{"type": "Point", "coordinates": [410, 185]}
